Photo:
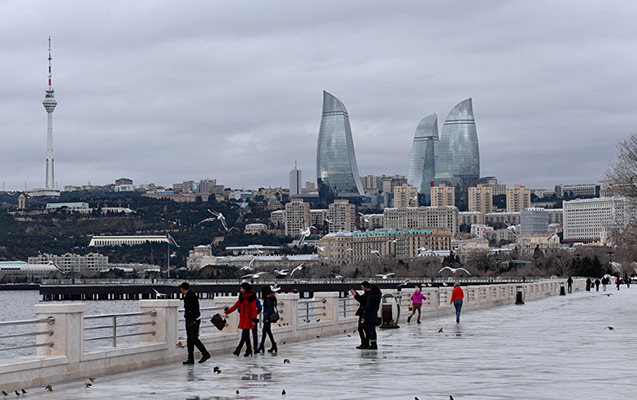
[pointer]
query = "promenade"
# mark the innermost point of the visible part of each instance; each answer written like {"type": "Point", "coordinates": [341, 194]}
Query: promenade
{"type": "Point", "coordinates": [553, 348]}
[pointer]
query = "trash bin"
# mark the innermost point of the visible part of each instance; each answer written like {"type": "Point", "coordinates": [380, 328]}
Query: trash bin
{"type": "Point", "coordinates": [562, 290]}
{"type": "Point", "coordinates": [519, 295]}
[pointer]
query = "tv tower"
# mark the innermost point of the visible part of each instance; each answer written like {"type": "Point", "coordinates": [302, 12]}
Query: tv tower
{"type": "Point", "coordinates": [49, 104]}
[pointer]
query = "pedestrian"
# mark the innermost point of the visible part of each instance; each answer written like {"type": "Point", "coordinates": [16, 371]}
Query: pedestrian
{"type": "Point", "coordinates": [570, 284]}
{"type": "Point", "coordinates": [416, 304]}
{"type": "Point", "coordinates": [247, 317]}
{"type": "Point", "coordinates": [597, 284]}
{"type": "Point", "coordinates": [604, 282]}
{"type": "Point", "coordinates": [618, 282]}
{"type": "Point", "coordinates": [191, 315]}
{"type": "Point", "coordinates": [255, 330]}
{"type": "Point", "coordinates": [362, 302]}
{"type": "Point", "coordinates": [269, 308]}
{"type": "Point", "coordinates": [588, 284]}
{"type": "Point", "coordinates": [370, 315]}
{"type": "Point", "coordinates": [456, 298]}
{"type": "Point", "coordinates": [627, 280]}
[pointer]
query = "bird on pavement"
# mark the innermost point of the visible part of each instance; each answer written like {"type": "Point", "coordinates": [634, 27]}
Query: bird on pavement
{"type": "Point", "coordinates": [610, 328]}
{"type": "Point", "coordinates": [283, 392]}
{"type": "Point", "coordinates": [23, 391]}
{"type": "Point", "coordinates": [49, 388]}
{"type": "Point", "coordinates": [286, 361]}
{"type": "Point", "coordinates": [216, 370]}
{"type": "Point", "coordinates": [454, 270]}
{"type": "Point", "coordinates": [440, 330]}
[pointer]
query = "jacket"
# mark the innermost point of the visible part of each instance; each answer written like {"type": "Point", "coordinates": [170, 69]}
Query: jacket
{"type": "Point", "coordinates": [370, 313]}
{"type": "Point", "coordinates": [191, 306]}
{"type": "Point", "coordinates": [362, 301]}
{"type": "Point", "coordinates": [417, 298]}
{"type": "Point", "coordinates": [269, 305]}
{"type": "Point", "coordinates": [457, 294]}
{"type": "Point", "coordinates": [247, 302]}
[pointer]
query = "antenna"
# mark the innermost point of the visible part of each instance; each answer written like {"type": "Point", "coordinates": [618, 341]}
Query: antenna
{"type": "Point", "coordinates": [50, 73]}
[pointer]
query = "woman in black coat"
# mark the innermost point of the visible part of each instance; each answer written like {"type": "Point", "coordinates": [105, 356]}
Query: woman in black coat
{"type": "Point", "coordinates": [269, 307]}
{"type": "Point", "coordinates": [370, 314]}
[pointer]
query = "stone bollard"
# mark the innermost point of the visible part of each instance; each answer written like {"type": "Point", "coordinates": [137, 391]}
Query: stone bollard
{"type": "Point", "coordinates": [562, 290]}
{"type": "Point", "coordinates": [68, 332]}
{"type": "Point", "coordinates": [519, 295]}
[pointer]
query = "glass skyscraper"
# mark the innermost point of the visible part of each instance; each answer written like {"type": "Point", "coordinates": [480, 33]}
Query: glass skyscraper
{"type": "Point", "coordinates": [458, 162]}
{"type": "Point", "coordinates": [336, 170]}
{"type": "Point", "coordinates": [422, 162]}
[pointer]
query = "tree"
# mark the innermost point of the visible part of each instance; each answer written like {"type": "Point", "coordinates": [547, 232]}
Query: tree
{"type": "Point", "coordinates": [623, 174]}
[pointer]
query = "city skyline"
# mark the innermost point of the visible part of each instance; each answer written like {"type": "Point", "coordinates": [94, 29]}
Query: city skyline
{"type": "Point", "coordinates": [169, 92]}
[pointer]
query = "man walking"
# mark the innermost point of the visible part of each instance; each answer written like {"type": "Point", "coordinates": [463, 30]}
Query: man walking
{"type": "Point", "coordinates": [192, 314]}
{"type": "Point", "coordinates": [362, 301]}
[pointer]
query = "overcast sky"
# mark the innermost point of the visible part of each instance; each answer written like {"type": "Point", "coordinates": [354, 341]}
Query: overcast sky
{"type": "Point", "coordinates": [168, 91]}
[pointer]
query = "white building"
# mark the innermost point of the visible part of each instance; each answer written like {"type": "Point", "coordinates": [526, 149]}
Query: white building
{"type": "Point", "coordinates": [587, 219]}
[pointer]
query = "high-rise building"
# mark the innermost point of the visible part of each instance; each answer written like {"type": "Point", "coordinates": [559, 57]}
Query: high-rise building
{"type": "Point", "coordinates": [336, 170]}
{"type": "Point", "coordinates": [422, 162]}
{"type": "Point", "coordinates": [481, 199]}
{"type": "Point", "coordinates": [458, 162]}
{"type": "Point", "coordinates": [534, 220]}
{"type": "Point", "coordinates": [405, 196]}
{"type": "Point", "coordinates": [341, 215]}
{"type": "Point", "coordinates": [590, 219]}
{"type": "Point", "coordinates": [518, 198]}
{"type": "Point", "coordinates": [297, 216]}
{"type": "Point", "coordinates": [296, 183]}
{"type": "Point", "coordinates": [443, 195]}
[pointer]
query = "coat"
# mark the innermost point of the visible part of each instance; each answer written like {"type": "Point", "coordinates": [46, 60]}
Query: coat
{"type": "Point", "coordinates": [247, 302]}
{"type": "Point", "coordinates": [362, 301]}
{"type": "Point", "coordinates": [457, 294]}
{"type": "Point", "coordinates": [191, 306]}
{"type": "Point", "coordinates": [269, 305]}
{"type": "Point", "coordinates": [370, 314]}
{"type": "Point", "coordinates": [417, 298]}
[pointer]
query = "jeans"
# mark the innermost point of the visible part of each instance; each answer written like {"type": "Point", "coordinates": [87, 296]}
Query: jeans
{"type": "Point", "coordinates": [370, 328]}
{"type": "Point", "coordinates": [245, 338]}
{"type": "Point", "coordinates": [458, 305]}
{"type": "Point", "coordinates": [362, 331]}
{"type": "Point", "coordinates": [255, 336]}
{"type": "Point", "coordinates": [192, 335]}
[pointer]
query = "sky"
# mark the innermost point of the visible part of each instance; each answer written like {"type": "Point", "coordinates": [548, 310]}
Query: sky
{"type": "Point", "coordinates": [169, 91]}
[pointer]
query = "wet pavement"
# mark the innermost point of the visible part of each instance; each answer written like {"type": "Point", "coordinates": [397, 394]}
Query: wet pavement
{"type": "Point", "coordinates": [554, 348]}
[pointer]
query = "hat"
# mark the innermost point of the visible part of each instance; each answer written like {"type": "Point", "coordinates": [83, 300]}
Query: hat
{"type": "Point", "coordinates": [246, 286]}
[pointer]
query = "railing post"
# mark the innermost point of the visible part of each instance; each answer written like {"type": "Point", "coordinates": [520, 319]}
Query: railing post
{"type": "Point", "coordinates": [331, 305]}
{"type": "Point", "coordinates": [288, 306]}
{"type": "Point", "coordinates": [166, 321]}
{"type": "Point", "coordinates": [68, 331]}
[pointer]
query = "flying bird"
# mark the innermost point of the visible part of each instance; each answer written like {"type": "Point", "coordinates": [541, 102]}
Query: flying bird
{"type": "Point", "coordinates": [281, 272]}
{"type": "Point", "coordinates": [275, 288]}
{"type": "Point", "coordinates": [365, 218]}
{"type": "Point", "coordinates": [218, 217]}
{"type": "Point", "coordinates": [249, 266]}
{"type": "Point", "coordinates": [375, 252]}
{"type": "Point", "coordinates": [298, 268]}
{"type": "Point", "coordinates": [454, 270]}
{"type": "Point", "coordinates": [320, 248]}
{"type": "Point", "coordinates": [305, 232]}
{"type": "Point", "coordinates": [385, 276]}
{"type": "Point", "coordinates": [329, 221]}
{"type": "Point", "coordinates": [254, 276]}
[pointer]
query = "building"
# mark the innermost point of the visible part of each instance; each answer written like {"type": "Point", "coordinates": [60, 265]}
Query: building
{"type": "Point", "coordinates": [481, 198]}
{"type": "Point", "coordinates": [556, 215]}
{"type": "Point", "coordinates": [277, 218]}
{"type": "Point", "coordinates": [49, 104]}
{"type": "Point", "coordinates": [100, 241]}
{"type": "Point", "coordinates": [492, 182]}
{"type": "Point", "coordinates": [443, 195]}
{"type": "Point", "coordinates": [529, 244]}
{"type": "Point", "coordinates": [534, 220]}
{"type": "Point", "coordinates": [518, 198]}
{"type": "Point", "coordinates": [345, 247]}
{"type": "Point", "coordinates": [207, 185]}
{"type": "Point", "coordinates": [255, 229]}
{"type": "Point", "coordinates": [79, 207]}
{"type": "Point", "coordinates": [422, 218]}
{"type": "Point", "coordinates": [296, 182]}
{"type": "Point", "coordinates": [479, 230]}
{"type": "Point", "coordinates": [587, 219]}
{"type": "Point", "coordinates": [22, 202]}
{"type": "Point", "coordinates": [200, 257]}
{"type": "Point", "coordinates": [502, 218]}
{"type": "Point", "coordinates": [458, 162]}
{"type": "Point", "coordinates": [341, 215]}
{"type": "Point", "coordinates": [582, 190]}
{"type": "Point", "coordinates": [28, 270]}
{"type": "Point", "coordinates": [336, 170]}
{"type": "Point", "coordinates": [87, 264]}
{"type": "Point", "coordinates": [469, 218]}
{"type": "Point", "coordinates": [405, 196]}
{"type": "Point", "coordinates": [297, 216]}
{"type": "Point", "coordinates": [422, 161]}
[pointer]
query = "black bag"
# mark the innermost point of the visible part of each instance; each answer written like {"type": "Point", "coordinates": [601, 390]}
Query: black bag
{"type": "Point", "coordinates": [274, 316]}
{"type": "Point", "coordinates": [217, 321]}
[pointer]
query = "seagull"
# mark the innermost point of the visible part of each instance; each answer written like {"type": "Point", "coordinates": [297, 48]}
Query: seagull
{"type": "Point", "coordinates": [300, 267]}
{"type": "Point", "coordinates": [275, 288]}
{"type": "Point", "coordinates": [365, 218]}
{"type": "Point", "coordinates": [249, 266]}
{"type": "Point", "coordinates": [159, 295]}
{"type": "Point", "coordinates": [375, 252]}
{"type": "Point", "coordinates": [328, 220]}
{"type": "Point", "coordinates": [440, 330]}
{"type": "Point", "coordinates": [254, 276]}
{"type": "Point", "coordinates": [47, 387]}
{"type": "Point", "coordinates": [320, 248]}
{"type": "Point", "coordinates": [405, 283]}
{"type": "Point", "coordinates": [218, 216]}
{"type": "Point", "coordinates": [337, 276]}
{"type": "Point", "coordinates": [305, 232]}
{"type": "Point", "coordinates": [610, 328]}
{"type": "Point", "coordinates": [385, 276]}
{"type": "Point", "coordinates": [282, 272]}
{"type": "Point", "coordinates": [454, 270]}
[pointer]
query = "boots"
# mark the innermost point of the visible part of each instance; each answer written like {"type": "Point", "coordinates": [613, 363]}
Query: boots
{"type": "Point", "coordinates": [248, 352]}
{"type": "Point", "coordinates": [273, 349]}
{"type": "Point", "coordinates": [261, 349]}
{"type": "Point", "coordinates": [373, 346]}
{"type": "Point", "coordinates": [409, 319]}
{"type": "Point", "coordinates": [237, 351]}
{"type": "Point", "coordinates": [364, 345]}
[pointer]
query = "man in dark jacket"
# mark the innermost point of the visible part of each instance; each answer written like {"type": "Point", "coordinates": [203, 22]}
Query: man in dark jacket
{"type": "Point", "coordinates": [370, 314]}
{"type": "Point", "coordinates": [192, 314]}
{"type": "Point", "coordinates": [362, 301]}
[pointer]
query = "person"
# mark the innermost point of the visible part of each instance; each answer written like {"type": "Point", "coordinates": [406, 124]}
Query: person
{"type": "Point", "coordinates": [255, 330]}
{"type": "Point", "coordinates": [604, 283]}
{"type": "Point", "coordinates": [269, 307]}
{"type": "Point", "coordinates": [570, 284]}
{"type": "Point", "coordinates": [191, 315]}
{"type": "Point", "coordinates": [370, 315]}
{"type": "Point", "coordinates": [618, 282]}
{"type": "Point", "coordinates": [416, 303]}
{"type": "Point", "coordinates": [362, 301]}
{"type": "Point", "coordinates": [247, 317]}
{"type": "Point", "coordinates": [627, 280]}
{"type": "Point", "coordinates": [588, 284]}
{"type": "Point", "coordinates": [597, 284]}
{"type": "Point", "coordinates": [456, 298]}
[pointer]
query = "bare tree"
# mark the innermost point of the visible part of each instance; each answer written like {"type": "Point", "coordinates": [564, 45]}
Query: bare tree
{"type": "Point", "coordinates": [623, 170]}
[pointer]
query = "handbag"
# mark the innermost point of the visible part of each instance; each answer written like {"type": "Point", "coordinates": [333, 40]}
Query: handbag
{"type": "Point", "coordinates": [217, 321]}
{"type": "Point", "coordinates": [274, 316]}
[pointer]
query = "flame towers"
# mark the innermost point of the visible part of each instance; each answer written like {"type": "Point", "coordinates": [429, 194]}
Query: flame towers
{"type": "Point", "coordinates": [422, 162]}
{"type": "Point", "coordinates": [336, 170]}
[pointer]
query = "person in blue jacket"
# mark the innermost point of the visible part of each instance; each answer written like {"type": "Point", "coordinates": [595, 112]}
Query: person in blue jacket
{"type": "Point", "coordinates": [269, 307]}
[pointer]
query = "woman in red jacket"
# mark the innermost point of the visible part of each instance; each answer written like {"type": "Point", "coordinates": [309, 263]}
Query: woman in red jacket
{"type": "Point", "coordinates": [247, 316]}
{"type": "Point", "coordinates": [456, 298]}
